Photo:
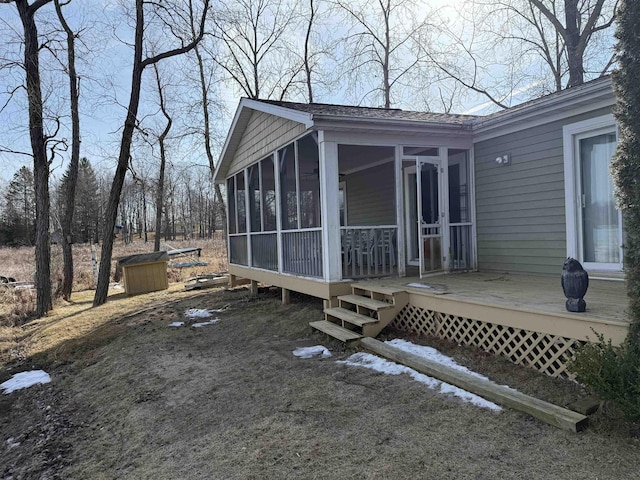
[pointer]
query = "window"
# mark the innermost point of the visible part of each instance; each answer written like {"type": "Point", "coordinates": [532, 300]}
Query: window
{"type": "Point", "coordinates": [594, 225]}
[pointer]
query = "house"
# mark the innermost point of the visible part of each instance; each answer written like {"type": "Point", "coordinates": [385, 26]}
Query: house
{"type": "Point", "coordinates": [373, 209]}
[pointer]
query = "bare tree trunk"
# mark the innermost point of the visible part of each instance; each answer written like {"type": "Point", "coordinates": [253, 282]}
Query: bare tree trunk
{"type": "Point", "coordinates": [72, 179]}
{"type": "Point", "coordinates": [111, 213]}
{"type": "Point", "coordinates": [163, 161]}
{"type": "Point", "coordinates": [40, 162]}
{"type": "Point", "coordinates": [307, 66]}
{"type": "Point", "coordinates": [572, 40]}
{"type": "Point", "coordinates": [207, 132]}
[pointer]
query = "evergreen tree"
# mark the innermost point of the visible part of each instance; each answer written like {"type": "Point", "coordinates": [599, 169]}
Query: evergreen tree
{"type": "Point", "coordinates": [87, 210]}
{"type": "Point", "coordinates": [20, 209]}
{"type": "Point", "coordinates": [626, 163]}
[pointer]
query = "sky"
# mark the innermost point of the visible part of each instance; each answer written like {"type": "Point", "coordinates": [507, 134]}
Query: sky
{"type": "Point", "coordinates": [105, 69]}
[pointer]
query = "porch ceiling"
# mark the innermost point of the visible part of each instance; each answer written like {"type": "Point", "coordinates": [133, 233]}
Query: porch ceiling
{"type": "Point", "coordinates": [357, 157]}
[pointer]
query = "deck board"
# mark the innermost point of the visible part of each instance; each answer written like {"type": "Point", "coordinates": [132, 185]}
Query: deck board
{"type": "Point", "coordinates": [606, 299]}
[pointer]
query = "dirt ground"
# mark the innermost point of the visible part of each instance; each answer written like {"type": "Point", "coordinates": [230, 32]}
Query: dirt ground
{"type": "Point", "coordinates": [135, 398]}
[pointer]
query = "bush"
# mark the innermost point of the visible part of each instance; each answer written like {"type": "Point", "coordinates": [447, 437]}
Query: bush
{"type": "Point", "coordinates": [613, 372]}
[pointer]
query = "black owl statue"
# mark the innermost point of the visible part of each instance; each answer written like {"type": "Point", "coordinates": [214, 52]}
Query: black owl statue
{"type": "Point", "coordinates": [575, 282]}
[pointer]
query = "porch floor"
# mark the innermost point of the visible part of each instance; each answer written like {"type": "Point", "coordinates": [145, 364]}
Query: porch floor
{"type": "Point", "coordinates": [524, 301]}
{"type": "Point", "coordinates": [606, 300]}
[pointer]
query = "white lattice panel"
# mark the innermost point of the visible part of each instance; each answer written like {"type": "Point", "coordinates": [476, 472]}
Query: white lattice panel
{"type": "Point", "coordinates": [547, 353]}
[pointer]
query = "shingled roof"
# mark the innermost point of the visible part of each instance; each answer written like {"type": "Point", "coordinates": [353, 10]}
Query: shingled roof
{"type": "Point", "coordinates": [330, 110]}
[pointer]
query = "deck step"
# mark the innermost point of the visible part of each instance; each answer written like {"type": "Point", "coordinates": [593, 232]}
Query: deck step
{"type": "Point", "coordinates": [350, 316]}
{"type": "Point", "coordinates": [335, 331]}
{"type": "Point", "coordinates": [378, 288]}
{"type": "Point", "coordinates": [367, 302]}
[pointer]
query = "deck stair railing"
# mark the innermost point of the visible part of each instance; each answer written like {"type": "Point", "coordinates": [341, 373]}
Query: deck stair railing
{"type": "Point", "coordinates": [363, 313]}
{"type": "Point", "coordinates": [369, 251]}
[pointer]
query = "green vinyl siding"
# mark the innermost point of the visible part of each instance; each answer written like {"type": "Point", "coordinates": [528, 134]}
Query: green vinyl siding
{"type": "Point", "coordinates": [371, 196]}
{"type": "Point", "coordinates": [520, 211]}
{"type": "Point", "coordinates": [263, 135]}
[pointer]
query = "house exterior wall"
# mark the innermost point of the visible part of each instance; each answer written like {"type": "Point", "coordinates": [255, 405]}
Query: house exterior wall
{"type": "Point", "coordinates": [371, 196]}
{"type": "Point", "coordinates": [264, 134]}
{"type": "Point", "coordinates": [520, 208]}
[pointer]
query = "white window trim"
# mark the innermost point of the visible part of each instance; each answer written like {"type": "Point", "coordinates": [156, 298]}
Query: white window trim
{"type": "Point", "coordinates": [571, 201]}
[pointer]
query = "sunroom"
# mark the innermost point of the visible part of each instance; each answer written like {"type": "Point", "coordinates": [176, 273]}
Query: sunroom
{"type": "Point", "coordinates": [321, 195]}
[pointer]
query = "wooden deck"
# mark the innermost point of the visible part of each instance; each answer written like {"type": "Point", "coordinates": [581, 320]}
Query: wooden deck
{"type": "Point", "coordinates": [533, 303]}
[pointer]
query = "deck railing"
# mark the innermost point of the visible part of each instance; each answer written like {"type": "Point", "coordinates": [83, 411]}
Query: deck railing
{"type": "Point", "coordinates": [302, 252]}
{"type": "Point", "coordinates": [369, 251]}
{"type": "Point", "coordinates": [264, 250]}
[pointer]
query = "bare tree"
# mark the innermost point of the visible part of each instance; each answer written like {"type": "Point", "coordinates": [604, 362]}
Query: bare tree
{"type": "Point", "coordinates": [382, 44]}
{"type": "Point", "coordinates": [254, 53]}
{"type": "Point", "coordinates": [39, 141]}
{"type": "Point", "coordinates": [204, 89]}
{"type": "Point", "coordinates": [169, 20]}
{"type": "Point", "coordinates": [163, 159]}
{"type": "Point", "coordinates": [72, 172]}
{"type": "Point", "coordinates": [499, 48]}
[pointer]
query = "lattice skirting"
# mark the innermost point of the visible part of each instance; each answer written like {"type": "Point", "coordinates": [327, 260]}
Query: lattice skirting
{"type": "Point", "coordinates": [544, 352]}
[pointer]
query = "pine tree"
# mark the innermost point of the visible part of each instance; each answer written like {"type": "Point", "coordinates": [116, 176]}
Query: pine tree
{"type": "Point", "coordinates": [20, 210]}
{"type": "Point", "coordinates": [626, 163]}
{"type": "Point", "coordinates": [87, 210]}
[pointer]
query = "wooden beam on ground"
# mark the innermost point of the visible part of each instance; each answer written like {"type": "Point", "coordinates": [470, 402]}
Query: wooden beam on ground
{"type": "Point", "coordinates": [545, 411]}
{"type": "Point", "coordinates": [286, 298]}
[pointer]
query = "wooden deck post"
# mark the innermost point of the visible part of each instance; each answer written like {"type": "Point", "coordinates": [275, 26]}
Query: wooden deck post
{"type": "Point", "coordinates": [254, 287]}
{"type": "Point", "coordinates": [233, 281]}
{"type": "Point", "coordinates": [285, 296]}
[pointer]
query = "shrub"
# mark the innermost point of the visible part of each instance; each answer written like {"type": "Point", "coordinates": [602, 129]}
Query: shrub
{"type": "Point", "coordinates": [613, 372]}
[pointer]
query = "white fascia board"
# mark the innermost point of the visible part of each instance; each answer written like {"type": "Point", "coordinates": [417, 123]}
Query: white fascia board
{"type": "Point", "coordinates": [290, 114]}
{"type": "Point", "coordinates": [388, 125]}
{"type": "Point", "coordinates": [225, 148]}
{"type": "Point", "coordinates": [545, 110]}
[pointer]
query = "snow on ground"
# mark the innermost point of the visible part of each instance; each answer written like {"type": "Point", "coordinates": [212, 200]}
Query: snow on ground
{"type": "Point", "coordinates": [431, 354]}
{"type": "Point", "coordinates": [208, 322]}
{"type": "Point", "coordinates": [378, 364]}
{"type": "Point", "coordinates": [197, 313]}
{"type": "Point", "coordinates": [25, 379]}
{"type": "Point", "coordinates": [309, 352]}
{"type": "Point", "coordinates": [176, 324]}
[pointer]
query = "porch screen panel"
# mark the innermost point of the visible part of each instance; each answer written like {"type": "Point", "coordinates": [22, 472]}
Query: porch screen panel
{"type": "Point", "coordinates": [238, 250]}
{"type": "Point", "coordinates": [268, 194]}
{"type": "Point", "coordinates": [288, 189]}
{"type": "Point", "coordinates": [600, 219]}
{"type": "Point", "coordinates": [254, 199]}
{"type": "Point", "coordinates": [302, 253]}
{"type": "Point", "coordinates": [264, 253]}
{"type": "Point", "coordinates": [460, 225]}
{"type": "Point", "coordinates": [241, 203]}
{"type": "Point", "coordinates": [309, 181]}
{"type": "Point", "coordinates": [231, 202]}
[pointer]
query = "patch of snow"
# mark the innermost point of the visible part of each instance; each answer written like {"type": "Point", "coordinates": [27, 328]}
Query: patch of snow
{"type": "Point", "coordinates": [309, 352]}
{"type": "Point", "coordinates": [176, 324]}
{"type": "Point", "coordinates": [378, 364]}
{"type": "Point", "coordinates": [431, 354]}
{"type": "Point", "coordinates": [203, 324]}
{"type": "Point", "coordinates": [117, 286]}
{"type": "Point", "coordinates": [11, 443]}
{"type": "Point", "coordinates": [25, 379]}
{"type": "Point", "coordinates": [197, 313]}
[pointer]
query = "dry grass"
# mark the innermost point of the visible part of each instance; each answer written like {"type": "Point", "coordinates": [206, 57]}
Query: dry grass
{"type": "Point", "coordinates": [132, 398]}
{"type": "Point", "coordinates": [19, 263]}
